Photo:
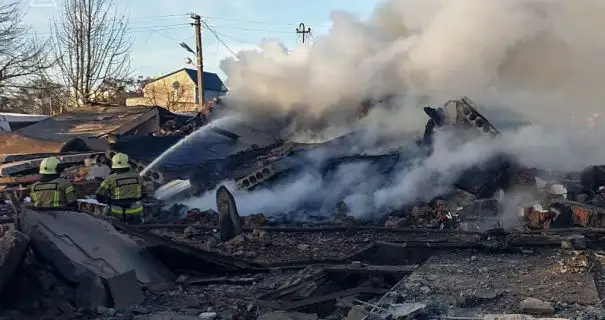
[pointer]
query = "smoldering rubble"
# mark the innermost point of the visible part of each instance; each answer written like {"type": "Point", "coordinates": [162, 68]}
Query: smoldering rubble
{"type": "Point", "coordinates": [351, 227]}
{"type": "Point", "coordinates": [341, 183]}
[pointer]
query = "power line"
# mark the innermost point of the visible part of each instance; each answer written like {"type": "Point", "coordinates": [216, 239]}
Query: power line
{"type": "Point", "coordinates": [162, 26]}
{"type": "Point", "coordinates": [254, 30]}
{"type": "Point", "coordinates": [236, 39]}
{"type": "Point", "coordinates": [159, 17]}
{"type": "Point", "coordinates": [249, 21]}
{"type": "Point", "coordinates": [152, 28]}
{"type": "Point", "coordinates": [218, 38]}
{"type": "Point", "coordinates": [260, 22]}
{"type": "Point", "coordinates": [135, 30]}
{"type": "Point", "coordinates": [166, 36]}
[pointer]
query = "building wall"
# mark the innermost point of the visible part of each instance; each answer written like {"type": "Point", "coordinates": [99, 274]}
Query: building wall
{"type": "Point", "coordinates": [136, 101]}
{"type": "Point", "coordinates": [161, 93]}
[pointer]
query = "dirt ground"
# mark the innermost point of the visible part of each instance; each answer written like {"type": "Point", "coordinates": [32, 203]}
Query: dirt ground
{"type": "Point", "coordinates": [470, 283]}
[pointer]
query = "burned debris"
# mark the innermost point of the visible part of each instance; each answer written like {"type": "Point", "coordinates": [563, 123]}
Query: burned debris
{"type": "Point", "coordinates": [464, 252]}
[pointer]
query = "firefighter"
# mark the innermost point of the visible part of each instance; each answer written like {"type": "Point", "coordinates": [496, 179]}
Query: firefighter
{"type": "Point", "coordinates": [123, 191]}
{"type": "Point", "coordinates": [52, 192]}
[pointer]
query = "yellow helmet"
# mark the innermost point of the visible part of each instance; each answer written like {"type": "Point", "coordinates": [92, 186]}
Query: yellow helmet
{"type": "Point", "coordinates": [119, 161]}
{"type": "Point", "coordinates": [49, 165]}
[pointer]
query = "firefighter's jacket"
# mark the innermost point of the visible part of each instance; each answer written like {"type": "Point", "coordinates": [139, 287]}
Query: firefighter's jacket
{"type": "Point", "coordinates": [53, 194]}
{"type": "Point", "coordinates": [123, 193]}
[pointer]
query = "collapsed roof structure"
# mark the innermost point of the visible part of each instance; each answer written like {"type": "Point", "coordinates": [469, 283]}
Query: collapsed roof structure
{"type": "Point", "coordinates": [220, 156]}
{"type": "Point", "coordinates": [399, 265]}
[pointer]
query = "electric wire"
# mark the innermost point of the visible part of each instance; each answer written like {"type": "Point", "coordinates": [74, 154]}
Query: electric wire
{"type": "Point", "coordinates": [218, 38]}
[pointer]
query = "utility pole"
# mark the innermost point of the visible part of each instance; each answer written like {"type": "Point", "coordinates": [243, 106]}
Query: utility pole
{"type": "Point", "coordinates": [200, 61]}
{"type": "Point", "coordinates": [301, 30]}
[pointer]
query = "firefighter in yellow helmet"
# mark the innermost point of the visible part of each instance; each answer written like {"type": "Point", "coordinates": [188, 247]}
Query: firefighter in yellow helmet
{"type": "Point", "coordinates": [123, 191]}
{"type": "Point", "coordinates": [52, 192]}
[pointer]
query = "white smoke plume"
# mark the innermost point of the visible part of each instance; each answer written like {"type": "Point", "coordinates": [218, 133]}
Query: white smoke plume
{"type": "Point", "coordinates": [537, 59]}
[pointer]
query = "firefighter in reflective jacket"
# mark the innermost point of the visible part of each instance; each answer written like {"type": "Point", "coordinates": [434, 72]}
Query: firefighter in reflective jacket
{"type": "Point", "coordinates": [123, 191]}
{"type": "Point", "coordinates": [52, 192]}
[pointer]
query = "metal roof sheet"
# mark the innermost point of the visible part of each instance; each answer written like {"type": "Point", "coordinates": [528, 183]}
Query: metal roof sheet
{"type": "Point", "coordinates": [86, 122]}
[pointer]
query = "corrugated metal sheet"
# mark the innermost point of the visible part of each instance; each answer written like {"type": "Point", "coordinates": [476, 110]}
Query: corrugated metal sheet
{"type": "Point", "coordinates": [86, 121]}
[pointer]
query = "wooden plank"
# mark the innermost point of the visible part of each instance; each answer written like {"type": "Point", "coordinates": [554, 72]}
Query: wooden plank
{"type": "Point", "coordinates": [221, 280]}
{"type": "Point", "coordinates": [373, 268]}
{"type": "Point", "coordinates": [12, 168]}
{"type": "Point", "coordinates": [332, 296]}
{"type": "Point", "coordinates": [19, 179]}
{"type": "Point", "coordinates": [319, 277]}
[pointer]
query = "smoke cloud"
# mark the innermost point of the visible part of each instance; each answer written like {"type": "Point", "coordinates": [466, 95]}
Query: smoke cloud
{"type": "Point", "coordinates": [534, 60]}
{"type": "Point", "coordinates": [538, 57]}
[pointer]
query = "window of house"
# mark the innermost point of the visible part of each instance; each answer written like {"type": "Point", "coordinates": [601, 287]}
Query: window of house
{"type": "Point", "coordinates": [175, 86]}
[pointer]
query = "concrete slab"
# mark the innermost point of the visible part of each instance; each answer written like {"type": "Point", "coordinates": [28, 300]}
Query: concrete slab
{"type": "Point", "coordinates": [13, 246]}
{"type": "Point", "coordinates": [124, 290]}
{"type": "Point", "coordinates": [80, 246]}
{"type": "Point", "coordinates": [91, 292]}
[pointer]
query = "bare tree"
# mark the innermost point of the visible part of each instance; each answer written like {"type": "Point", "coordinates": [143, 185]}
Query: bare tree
{"type": "Point", "coordinates": [116, 91]}
{"type": "Point", "coordinates": [91, 45]}
{"type": "Point", "coordinates": [20, 55]}
{"type": "Point", "coordinates": [40, 95]}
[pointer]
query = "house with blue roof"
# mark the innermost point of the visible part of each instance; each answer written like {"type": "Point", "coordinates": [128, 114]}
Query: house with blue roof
{"type": "Point", "coordinates": [177, 91]}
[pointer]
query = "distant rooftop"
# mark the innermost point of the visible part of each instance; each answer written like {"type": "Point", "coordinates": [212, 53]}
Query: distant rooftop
{"type": "Point", "coordinates": [211, 81]}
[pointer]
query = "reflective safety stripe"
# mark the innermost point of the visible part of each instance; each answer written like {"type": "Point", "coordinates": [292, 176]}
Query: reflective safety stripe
{"type": "Point", "coordinates": [125, 183]}
{"type": "Point", "coordinates": [135, 208]}
{"type": "Point", "coordinates": [56, 199]}
{"type": "Point", "coordinates": [55, 203]}
{"type": "Point", "coordinates": [51, 194]}
{"type": "Point", "coordinates": [117, 211]}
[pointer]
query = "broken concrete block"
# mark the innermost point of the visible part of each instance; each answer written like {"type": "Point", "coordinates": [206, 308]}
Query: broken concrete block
{"type": "Point", "coordinates": [407, 310]}
{"type": "Point", "coordinates": [229, 219]}
{"type": "Point", "coordinates": [124, 290]}
{"type": "Point", "coordinates": [516, 317]}
{"type": "Point", "coordinates": [355, 315]}
{"type": "Point", "coordinates": [165, 316]}
{"type": "Point", "coordinates": [13, 247]}
{"type": "Point", "coordinates": [83, 249]}
{"type": "Point", "coordinates": [536, 307]}
{"type": "Point", "coordinates": [283, 315]}
{"type": "Point", "coordinates": [207, 315]}
{"type": "Point", "coordinates": [576, 242]}
{"type": "Point", "coordinates": [91, 291]}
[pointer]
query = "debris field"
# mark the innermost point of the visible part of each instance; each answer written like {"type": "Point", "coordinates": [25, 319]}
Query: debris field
{"type": "Point", "coordinates": [462, 255]}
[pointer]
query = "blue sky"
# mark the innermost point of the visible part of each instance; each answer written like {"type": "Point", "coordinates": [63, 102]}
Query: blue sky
{"type": "Point", "coordinates": [157, 26]}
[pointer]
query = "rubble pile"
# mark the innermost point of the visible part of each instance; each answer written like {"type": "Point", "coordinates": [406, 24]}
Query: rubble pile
{"type": "Point", "coordinates": [170, 128]}
{"type": "Point", "coordinates": [533, 282]}
{"type": "Point", "coordinates": [454, 256]}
